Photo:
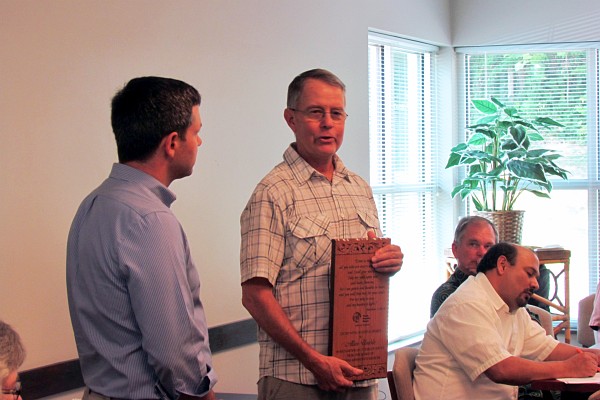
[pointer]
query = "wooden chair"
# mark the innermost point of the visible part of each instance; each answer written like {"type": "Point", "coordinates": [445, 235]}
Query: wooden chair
{"type": "Point", "coordinates": [585, 334]}
{"type": "Point", "coordinates": [400, 378]}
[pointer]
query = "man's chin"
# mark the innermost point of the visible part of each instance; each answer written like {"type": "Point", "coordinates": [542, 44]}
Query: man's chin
{"type": "Point", "coordinates": [523, 301]}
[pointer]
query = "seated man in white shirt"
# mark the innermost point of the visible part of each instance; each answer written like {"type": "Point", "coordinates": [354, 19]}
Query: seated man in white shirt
{"type": "Point", "coordinates": [482, 344]}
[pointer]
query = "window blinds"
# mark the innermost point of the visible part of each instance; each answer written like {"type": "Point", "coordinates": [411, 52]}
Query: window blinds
{"type": "Point", "coordinates": [404, 163]}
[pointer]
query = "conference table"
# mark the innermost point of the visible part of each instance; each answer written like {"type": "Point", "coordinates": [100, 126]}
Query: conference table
{"type": "Point", "coordinates": [569, 390]}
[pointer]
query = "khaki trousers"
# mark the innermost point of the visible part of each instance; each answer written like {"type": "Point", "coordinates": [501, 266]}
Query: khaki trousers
{"type": "Point", "coordinates": [270, 388]}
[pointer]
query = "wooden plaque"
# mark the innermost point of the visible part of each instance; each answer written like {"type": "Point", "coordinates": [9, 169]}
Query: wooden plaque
{"type": "Point", "coordinates": [359, 307]}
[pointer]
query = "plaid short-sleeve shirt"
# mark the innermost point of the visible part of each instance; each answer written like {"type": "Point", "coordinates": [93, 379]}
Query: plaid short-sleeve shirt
{"type": "Point", "coordinates": [286, 229]}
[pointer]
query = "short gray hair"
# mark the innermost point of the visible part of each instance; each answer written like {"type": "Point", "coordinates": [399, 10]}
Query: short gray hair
{"type": "Point", "coordinates": [297, 85]}
{"type": "Point", "coordinates": [472, 219]}
{"type": "Point", "coordinates": [12, 352]}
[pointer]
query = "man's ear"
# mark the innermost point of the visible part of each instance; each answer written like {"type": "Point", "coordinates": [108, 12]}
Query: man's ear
{"type": "Point", "coordinates": [454, 247]}
{"type": "Point", "coordinates": [169, 144]}
{"type": "Point", "coordinates": [290, 118]}
{"type": "Point", "coordinates": [502, 264]}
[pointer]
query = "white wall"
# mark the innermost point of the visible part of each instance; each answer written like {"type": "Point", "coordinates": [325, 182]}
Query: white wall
{"type": "Point", "coordinates": [486, 22]}
{"type": "Point", "coordinates": [60, 63]}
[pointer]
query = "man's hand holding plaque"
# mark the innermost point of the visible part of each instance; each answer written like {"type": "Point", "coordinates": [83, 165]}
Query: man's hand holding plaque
{"type": "Point", "coordinates": [387, 259]}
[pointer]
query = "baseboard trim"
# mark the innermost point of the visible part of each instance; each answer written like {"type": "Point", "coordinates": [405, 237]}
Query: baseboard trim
{"type": "Point", "coordinates": [64, 376]}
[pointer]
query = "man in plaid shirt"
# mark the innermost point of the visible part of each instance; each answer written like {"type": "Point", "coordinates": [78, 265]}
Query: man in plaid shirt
{"type": "Point", "coordinates": [287, 227]}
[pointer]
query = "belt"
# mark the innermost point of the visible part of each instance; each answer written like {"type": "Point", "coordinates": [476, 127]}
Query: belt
{"type": "Point", "coordinates": [96, 395]}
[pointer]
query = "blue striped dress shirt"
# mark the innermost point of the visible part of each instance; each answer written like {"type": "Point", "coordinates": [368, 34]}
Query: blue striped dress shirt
{"type": "Point", "coordinates": [134, 293]}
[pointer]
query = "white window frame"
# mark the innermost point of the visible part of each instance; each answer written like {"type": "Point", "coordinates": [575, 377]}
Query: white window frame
{"type": "Point", "coordinates": [419, 186]}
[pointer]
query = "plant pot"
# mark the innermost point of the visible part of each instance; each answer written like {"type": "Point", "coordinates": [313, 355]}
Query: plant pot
{"type": "Point", "coordinates": [508, 223]}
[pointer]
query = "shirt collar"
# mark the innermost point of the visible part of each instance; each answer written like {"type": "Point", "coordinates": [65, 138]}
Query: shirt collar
{"type": "Point", "coordinates": [126, 173]}
{"type": "Point", "coordinates": [459, 275]}
{"type": "Point", "coordinates": [304, 172]}
{"type": "Point", "coordinates": [499, 304]}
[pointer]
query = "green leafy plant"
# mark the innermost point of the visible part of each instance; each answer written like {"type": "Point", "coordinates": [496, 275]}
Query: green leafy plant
{"type": "Point", "coordinates": [501, 164]}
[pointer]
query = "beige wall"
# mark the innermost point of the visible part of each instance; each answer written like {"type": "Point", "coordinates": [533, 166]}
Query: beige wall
{"type": "Point", "coordinates": [486, 22]}
{"type": "Point", "coordinates": [62, 60]}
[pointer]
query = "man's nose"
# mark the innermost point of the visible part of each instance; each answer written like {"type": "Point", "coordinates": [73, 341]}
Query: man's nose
{"type": "Point", "coordinates": [534, 284]}
{"type": "Point", "coordinates": [326, 121]}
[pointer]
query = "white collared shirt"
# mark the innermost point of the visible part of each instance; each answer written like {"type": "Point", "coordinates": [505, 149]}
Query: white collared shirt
{"type": "Point", "coordinates": [472, 331]}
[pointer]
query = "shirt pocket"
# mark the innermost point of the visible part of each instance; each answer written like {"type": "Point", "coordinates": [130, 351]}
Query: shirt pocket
{"type": "Point", "coordinates": [370, 221]}
{"type": "Point", "coordinates": [309, 239]}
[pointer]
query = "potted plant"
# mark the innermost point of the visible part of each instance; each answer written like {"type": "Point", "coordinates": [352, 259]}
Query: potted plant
{"type": "Point", "coordinates": [502, 165]}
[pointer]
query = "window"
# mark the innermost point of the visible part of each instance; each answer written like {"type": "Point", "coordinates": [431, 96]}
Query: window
{"type": "Point", "coordinates": [404, 172]}
{"type": "Point", "coordinates": [559, 81]}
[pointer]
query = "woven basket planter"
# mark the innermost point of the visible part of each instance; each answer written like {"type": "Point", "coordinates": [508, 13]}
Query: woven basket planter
{"type": "Point", "coordinates": [508, 223]}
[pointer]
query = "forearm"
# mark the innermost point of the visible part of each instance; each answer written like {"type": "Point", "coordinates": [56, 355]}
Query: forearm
{"type": "Point", "coordinates": [565, 361]}
{"type": "Point", "coordinates": [562, 351]}
{"type": "Point", "coordinates": [331, 373]}
{"type": "Point", "coordinates": [519, 371]}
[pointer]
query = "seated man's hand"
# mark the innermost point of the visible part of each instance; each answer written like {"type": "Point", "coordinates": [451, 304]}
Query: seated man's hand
{"type": "Point", "coordinates": [583, 364]}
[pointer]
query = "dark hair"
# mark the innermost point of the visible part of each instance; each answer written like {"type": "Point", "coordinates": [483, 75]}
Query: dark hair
{"type": "Point", "coordinates": [466, 221]}
{"type": "Point", "coordinates": [490, 259]}
{"type": "Point", "coordinates": [297, 85]}
{"type": "Point", "coordinates": [12, 352]}
{"type": "Point", "coordinates": [146, 110]}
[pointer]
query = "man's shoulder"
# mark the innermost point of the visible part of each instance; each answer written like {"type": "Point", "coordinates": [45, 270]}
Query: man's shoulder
{"type": "Point", "coordinates": [440, 296]}
{"type": "Point", "coordinates": [127, 196]}
{"type": "Point", "coordinates": [358, 181]}
{"type": "Point", "coordinates": [453, 282]}
{"type": "Point", "coordinates": [350, 175]}
{"type": "Point", "coordinates": [447, 288]}
{"type": "Point", "coordinates": [279, 172]}
{"type": "Point", "coordinates": [279, 180]}
{"type": "Point", "coordinates": [466, 291]}
{"type": "Point", "coordinates": [470, 294]}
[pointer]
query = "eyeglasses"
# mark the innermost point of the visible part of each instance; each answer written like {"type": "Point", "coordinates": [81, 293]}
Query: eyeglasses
{"type": "Point", "coordinates": [317, 114]}
{"type": "Point", "coordinates": [16, 391]}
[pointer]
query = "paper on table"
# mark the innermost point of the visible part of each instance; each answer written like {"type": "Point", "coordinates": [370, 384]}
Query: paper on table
{"type": "Point", "coordinates": [591, 379]}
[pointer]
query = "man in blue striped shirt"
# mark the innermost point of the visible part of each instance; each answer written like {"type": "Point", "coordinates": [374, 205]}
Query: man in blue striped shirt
{"type": "Point", "coordinates": [133, 288]}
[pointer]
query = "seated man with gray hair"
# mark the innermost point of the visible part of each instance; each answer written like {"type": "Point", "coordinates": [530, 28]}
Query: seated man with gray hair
{"type": "Point", "coordinates": [473, 237]}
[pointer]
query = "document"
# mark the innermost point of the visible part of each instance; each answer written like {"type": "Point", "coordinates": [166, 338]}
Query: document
{"type": "Point", "coordinates": [591, 379]}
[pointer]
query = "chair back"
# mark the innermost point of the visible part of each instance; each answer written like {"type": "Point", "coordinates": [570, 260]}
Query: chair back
{"type": "Point", "coordinates": [400, 378]}
{"type": "Point", "coordinates": [585, 334]}
{"type": "Point", "coordinates": [545, 318]}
